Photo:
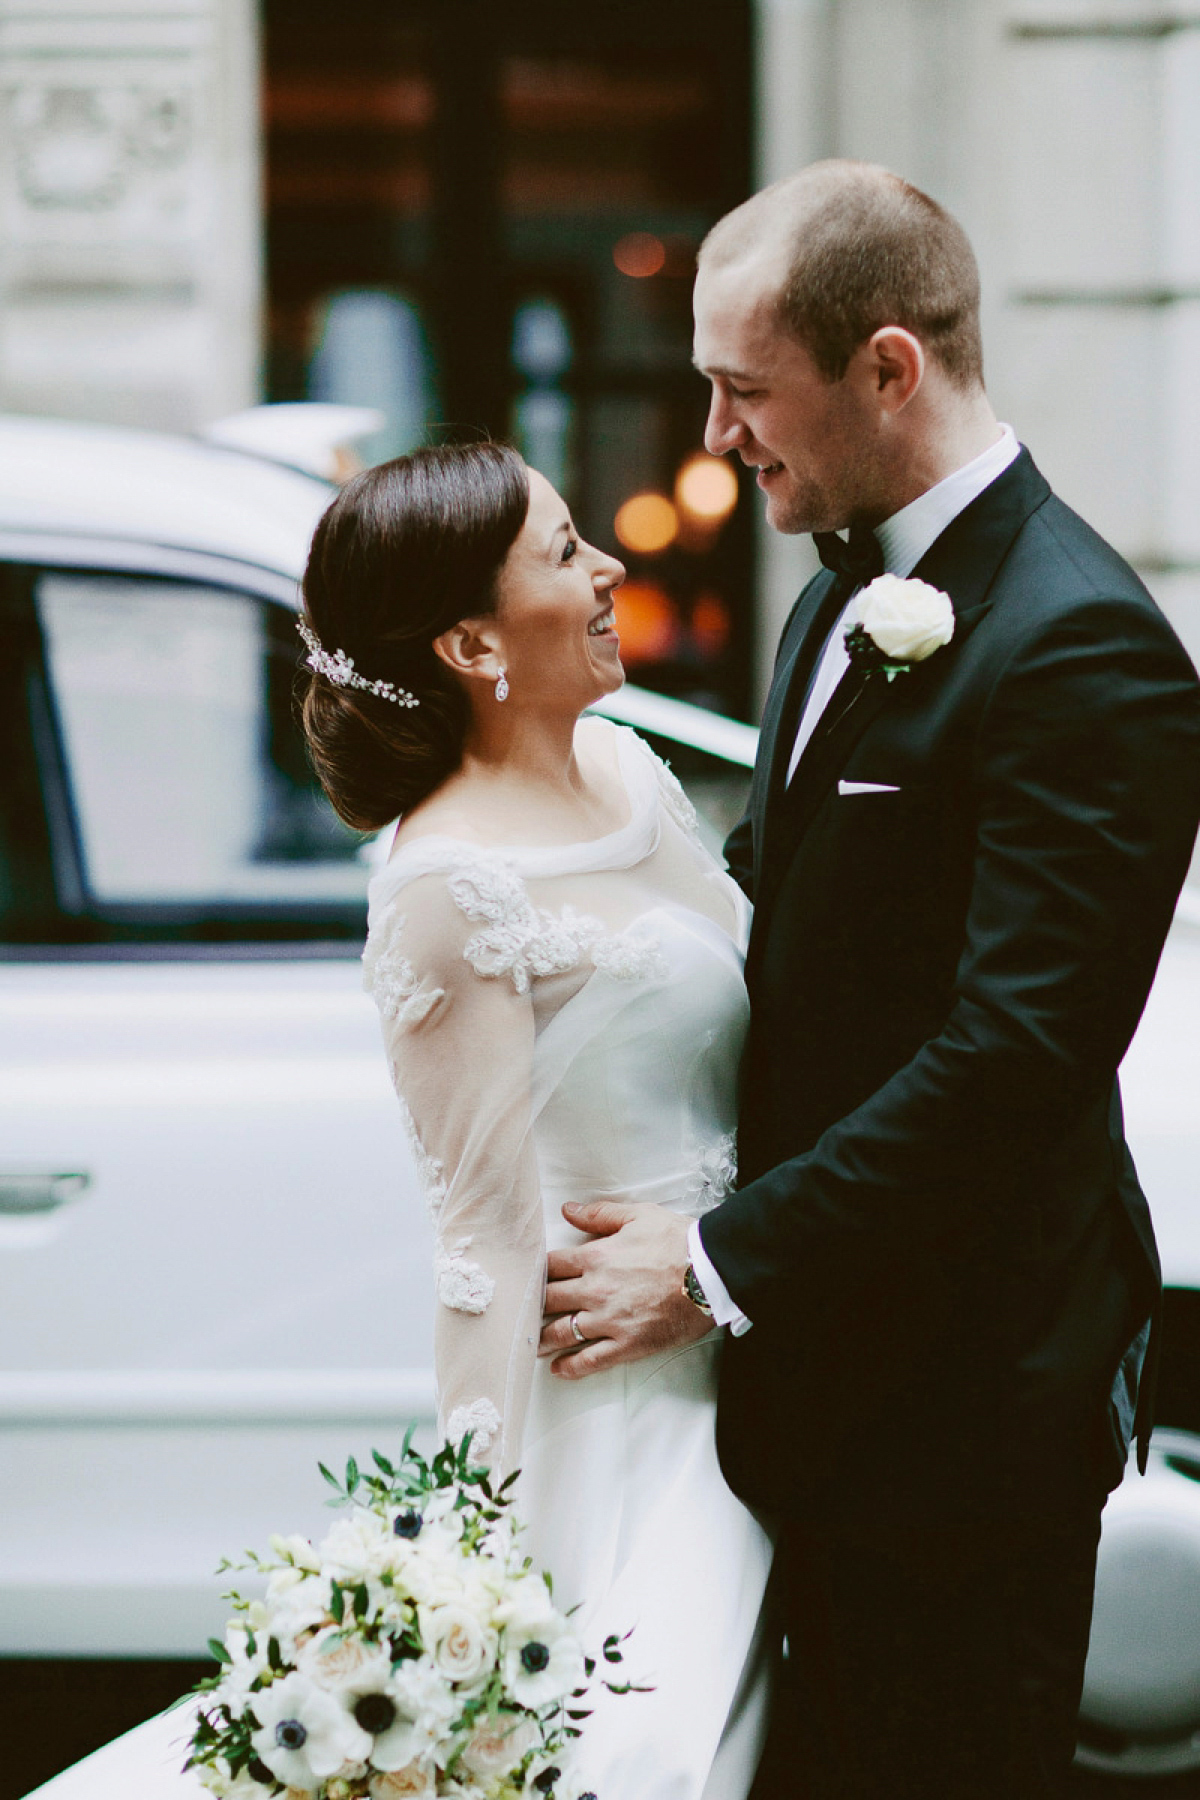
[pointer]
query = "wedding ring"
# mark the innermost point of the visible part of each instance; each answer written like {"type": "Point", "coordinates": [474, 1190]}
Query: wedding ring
{"type": "Point", "coordinates": [575, 1331]}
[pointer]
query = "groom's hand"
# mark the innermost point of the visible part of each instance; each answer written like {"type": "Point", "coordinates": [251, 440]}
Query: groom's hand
{"type": "Point", "coordinates": [624, 1289]}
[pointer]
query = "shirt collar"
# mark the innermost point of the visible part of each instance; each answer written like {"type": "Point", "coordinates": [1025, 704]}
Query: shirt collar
{"type": "Point", "coordinates": [909, 533]}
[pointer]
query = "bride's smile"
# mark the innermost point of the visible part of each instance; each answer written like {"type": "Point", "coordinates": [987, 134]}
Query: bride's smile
{"type": "Point", "coordinates": [555, 615]}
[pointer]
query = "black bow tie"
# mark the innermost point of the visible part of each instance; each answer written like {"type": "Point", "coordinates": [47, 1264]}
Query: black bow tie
{"type": "Point", "coordinates": [857, 559]}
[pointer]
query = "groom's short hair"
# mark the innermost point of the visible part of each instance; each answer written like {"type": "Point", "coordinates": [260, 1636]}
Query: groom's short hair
{"type": "Point", "coordinates": [864, 248]}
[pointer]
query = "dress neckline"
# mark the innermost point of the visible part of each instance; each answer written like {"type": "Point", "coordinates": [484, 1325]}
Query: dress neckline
{"type": "Point", "coordinates": [622, 848]}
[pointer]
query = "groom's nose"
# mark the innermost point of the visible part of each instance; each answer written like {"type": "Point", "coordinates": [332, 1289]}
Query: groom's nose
{"type": "Point", "coordinates": [723, 429]}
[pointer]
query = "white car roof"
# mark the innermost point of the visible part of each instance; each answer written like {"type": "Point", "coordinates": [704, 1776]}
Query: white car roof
{"type": "Point", "coordinates": [65, 480]}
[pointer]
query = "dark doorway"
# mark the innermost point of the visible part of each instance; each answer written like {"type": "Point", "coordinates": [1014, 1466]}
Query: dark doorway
{"type": "Point", "coordinates": [484, 218]}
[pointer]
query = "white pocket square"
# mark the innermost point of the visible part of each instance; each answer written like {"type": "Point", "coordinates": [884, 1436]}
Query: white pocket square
{"type": "Point", "coordinates": [866, 787]}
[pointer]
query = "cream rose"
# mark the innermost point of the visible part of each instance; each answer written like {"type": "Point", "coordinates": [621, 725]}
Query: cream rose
{"type": "Point", "coordinates": [497, 1744]}
{"type": "Point", "coordinates": [461, 1648]}
{"type": "Point", "coordinates": [907, 620]}
{"type": "Point", "coordinates": [416, 1782]}
{"type": "Point", "coordinates": [337, 1661]}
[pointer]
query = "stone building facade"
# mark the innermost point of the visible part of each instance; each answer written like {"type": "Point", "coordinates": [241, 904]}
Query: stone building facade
{"type": "Point", "coordinates": [1064, 133]}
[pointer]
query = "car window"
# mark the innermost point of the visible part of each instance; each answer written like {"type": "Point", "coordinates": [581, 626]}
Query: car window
{"type": "Point", "coordinates": [186, 770]}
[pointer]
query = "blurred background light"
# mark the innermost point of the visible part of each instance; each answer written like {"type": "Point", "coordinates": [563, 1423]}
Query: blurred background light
{"type": "Point", "coordinates": [639, 253]}
{"type": "Point", "coordinates": [646, 524]}
{"type": "Point", "coordinates": [706, 488]}
{"type": "Point", "coordinates": [647, 622]}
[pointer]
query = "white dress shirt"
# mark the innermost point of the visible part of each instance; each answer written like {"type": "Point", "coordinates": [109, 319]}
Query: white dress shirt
{"type": "Point", "coordinates": [904, 539]}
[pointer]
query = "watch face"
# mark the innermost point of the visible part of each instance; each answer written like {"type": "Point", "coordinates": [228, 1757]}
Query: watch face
{"type": "Point", "coordinates": [694, 1292]}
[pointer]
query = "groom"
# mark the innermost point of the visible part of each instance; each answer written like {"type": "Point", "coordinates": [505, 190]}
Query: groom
{"type": "Point", "coordinates": [967, 829]}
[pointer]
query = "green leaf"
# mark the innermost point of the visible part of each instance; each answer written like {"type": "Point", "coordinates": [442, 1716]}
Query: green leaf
{"type": "Point", "coordinates": [362, 1600]}
{"type": "Point", "coordinates": [337, 1602]}
{"type": "Point", "coordinates": [330, 1478]}
{"type": "Point", "coordinates": [383, 1465]}
{"type": "Point", "coordinates": [219, 1651]}
{"type": "Point", "coordinates": [352, 1477]}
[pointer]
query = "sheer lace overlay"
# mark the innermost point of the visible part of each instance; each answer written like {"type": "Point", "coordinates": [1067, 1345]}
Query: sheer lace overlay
{"type": "Point", "coordinates": [539, 1005]}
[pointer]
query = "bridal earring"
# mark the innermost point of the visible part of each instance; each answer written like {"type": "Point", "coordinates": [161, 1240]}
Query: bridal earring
{"type": "Point", "coordinates": [502, 685]}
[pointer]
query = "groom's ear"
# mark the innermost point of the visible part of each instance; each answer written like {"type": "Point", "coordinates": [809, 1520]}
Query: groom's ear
{"type": "Point", "coordinates": [897, 365]}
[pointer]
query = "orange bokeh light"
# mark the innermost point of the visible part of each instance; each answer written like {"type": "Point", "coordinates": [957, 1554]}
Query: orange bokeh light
{"type": "Point", "coordinates": [646, 524]}
{"type": "Point", "coordinates": [639, 253]}
{"type": "Point", "coordinates": [646, 622]}
{"type": "Point", "coordinates": [706, 488]}
{"type": "Point", "coordinates": [711, 624]}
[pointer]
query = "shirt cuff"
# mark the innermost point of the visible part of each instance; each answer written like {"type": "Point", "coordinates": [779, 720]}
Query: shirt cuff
{"type": "Point", "coordinates": [725, 1310]}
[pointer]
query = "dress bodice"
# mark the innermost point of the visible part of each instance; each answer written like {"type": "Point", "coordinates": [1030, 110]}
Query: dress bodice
{"type": "Point", "coordinates": [562, 1022]}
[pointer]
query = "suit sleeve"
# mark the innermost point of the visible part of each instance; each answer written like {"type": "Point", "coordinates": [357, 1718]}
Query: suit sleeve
{"type": "Point", "coordinates": [1087, 782]}
{"type": "Point", "coordinates": [739, 854]}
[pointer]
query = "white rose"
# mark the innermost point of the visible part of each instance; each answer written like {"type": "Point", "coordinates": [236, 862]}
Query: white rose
{"type": "Point", "coordinates": [434, 1578]}
{"type": "Point", "coordinates": [907, 619]}
{"type": "Point", "coordinates": [358, 1548]}
{"type": "Point", "coordinates": [461, 1647]}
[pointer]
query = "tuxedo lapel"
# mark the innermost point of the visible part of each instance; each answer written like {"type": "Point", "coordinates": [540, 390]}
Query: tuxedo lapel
{"type": "Point", "coordinates": [809, 626]}
{"type": "Point", "coordinates": [963, 562]}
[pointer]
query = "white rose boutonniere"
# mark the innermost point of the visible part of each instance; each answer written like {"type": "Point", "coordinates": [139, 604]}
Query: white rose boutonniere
{"type": "Point", "coordinates": [895, 623]}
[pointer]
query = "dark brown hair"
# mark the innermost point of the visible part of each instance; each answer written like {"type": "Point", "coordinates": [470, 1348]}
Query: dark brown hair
{"type": "Point", "coordinates": [405, 551]}
{"type": "Point", "coordinates": [864, 248]}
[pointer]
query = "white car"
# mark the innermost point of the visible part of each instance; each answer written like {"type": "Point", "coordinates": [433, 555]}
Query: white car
{"type": "Point", "coordinates": [213, 1258]}
{"type": "Point", "coordinates": [214, 1263]}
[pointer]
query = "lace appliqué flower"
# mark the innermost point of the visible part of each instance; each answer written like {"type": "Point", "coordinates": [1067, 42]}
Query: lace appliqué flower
{"type": "Point", "coordinates": [480, 1418]}
{"type": "Point", "coordinates": [677, 802]}
{"type": "Point", "coordinates": [391, 980]}
{"type": "Point", "coordinates": [430, 1171]}
{"type": "Point", "coordinates": [461, 1284]}
{"type": "Point", "coordinates": [521, 941]}
{"type": "Point", "coordinates": [713, 1176]}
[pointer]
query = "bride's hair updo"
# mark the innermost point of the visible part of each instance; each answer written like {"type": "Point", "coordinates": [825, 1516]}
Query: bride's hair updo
{"type": "Point", "coordinates": [405, 551]}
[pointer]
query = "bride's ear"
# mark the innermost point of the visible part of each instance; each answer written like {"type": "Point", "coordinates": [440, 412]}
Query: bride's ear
{"type": "Point", "coordinates": [471, 650]}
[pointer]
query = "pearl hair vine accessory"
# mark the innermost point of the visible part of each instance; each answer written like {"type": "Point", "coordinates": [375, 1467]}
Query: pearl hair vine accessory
{"type": "Point", "coordinates": [339, 668]}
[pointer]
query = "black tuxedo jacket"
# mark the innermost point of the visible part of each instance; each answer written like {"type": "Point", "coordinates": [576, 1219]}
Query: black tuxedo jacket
{"type": "Point", "coordinates": [938, 1234]}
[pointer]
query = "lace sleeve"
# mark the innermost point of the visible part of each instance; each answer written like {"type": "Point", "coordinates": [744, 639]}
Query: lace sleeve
{"type": "Point", "coordinates": [460, 1040]}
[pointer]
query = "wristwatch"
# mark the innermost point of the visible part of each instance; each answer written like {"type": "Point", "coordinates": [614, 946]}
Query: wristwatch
{"type": "Point", "coordinates": [692, 1290]}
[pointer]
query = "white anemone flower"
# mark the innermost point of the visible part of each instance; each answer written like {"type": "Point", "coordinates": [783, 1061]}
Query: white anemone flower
{"type": "Point", "coordinates": [399, 1733]}
{"type": "Point", "coordinates": [542, 1662]}
{"type": "Point", "coordinates": [305, 1735]}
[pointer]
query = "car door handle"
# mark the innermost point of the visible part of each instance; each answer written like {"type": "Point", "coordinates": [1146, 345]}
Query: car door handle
{"type": "Point", "coordinates": [29, 1193]}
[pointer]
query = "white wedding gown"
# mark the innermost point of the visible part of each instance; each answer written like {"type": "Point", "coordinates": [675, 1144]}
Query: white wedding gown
{"type": "Point", "coordinates": [566, 1023]}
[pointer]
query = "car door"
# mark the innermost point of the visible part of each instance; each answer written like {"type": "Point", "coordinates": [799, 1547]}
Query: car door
{"type": "Point", "coordinates": [213, 1260]}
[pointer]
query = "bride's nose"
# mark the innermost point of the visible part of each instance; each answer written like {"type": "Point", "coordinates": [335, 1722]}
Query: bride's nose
{"type": "Point", "coordinates": [610, 573]}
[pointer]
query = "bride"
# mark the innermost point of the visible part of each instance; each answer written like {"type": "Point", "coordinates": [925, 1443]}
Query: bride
{"type": "Point", "coordinates": [557, 965]}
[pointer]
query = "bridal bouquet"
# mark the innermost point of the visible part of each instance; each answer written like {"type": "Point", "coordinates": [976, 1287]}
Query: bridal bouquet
{"type": "Point", "coordinates": [413, 1653]}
